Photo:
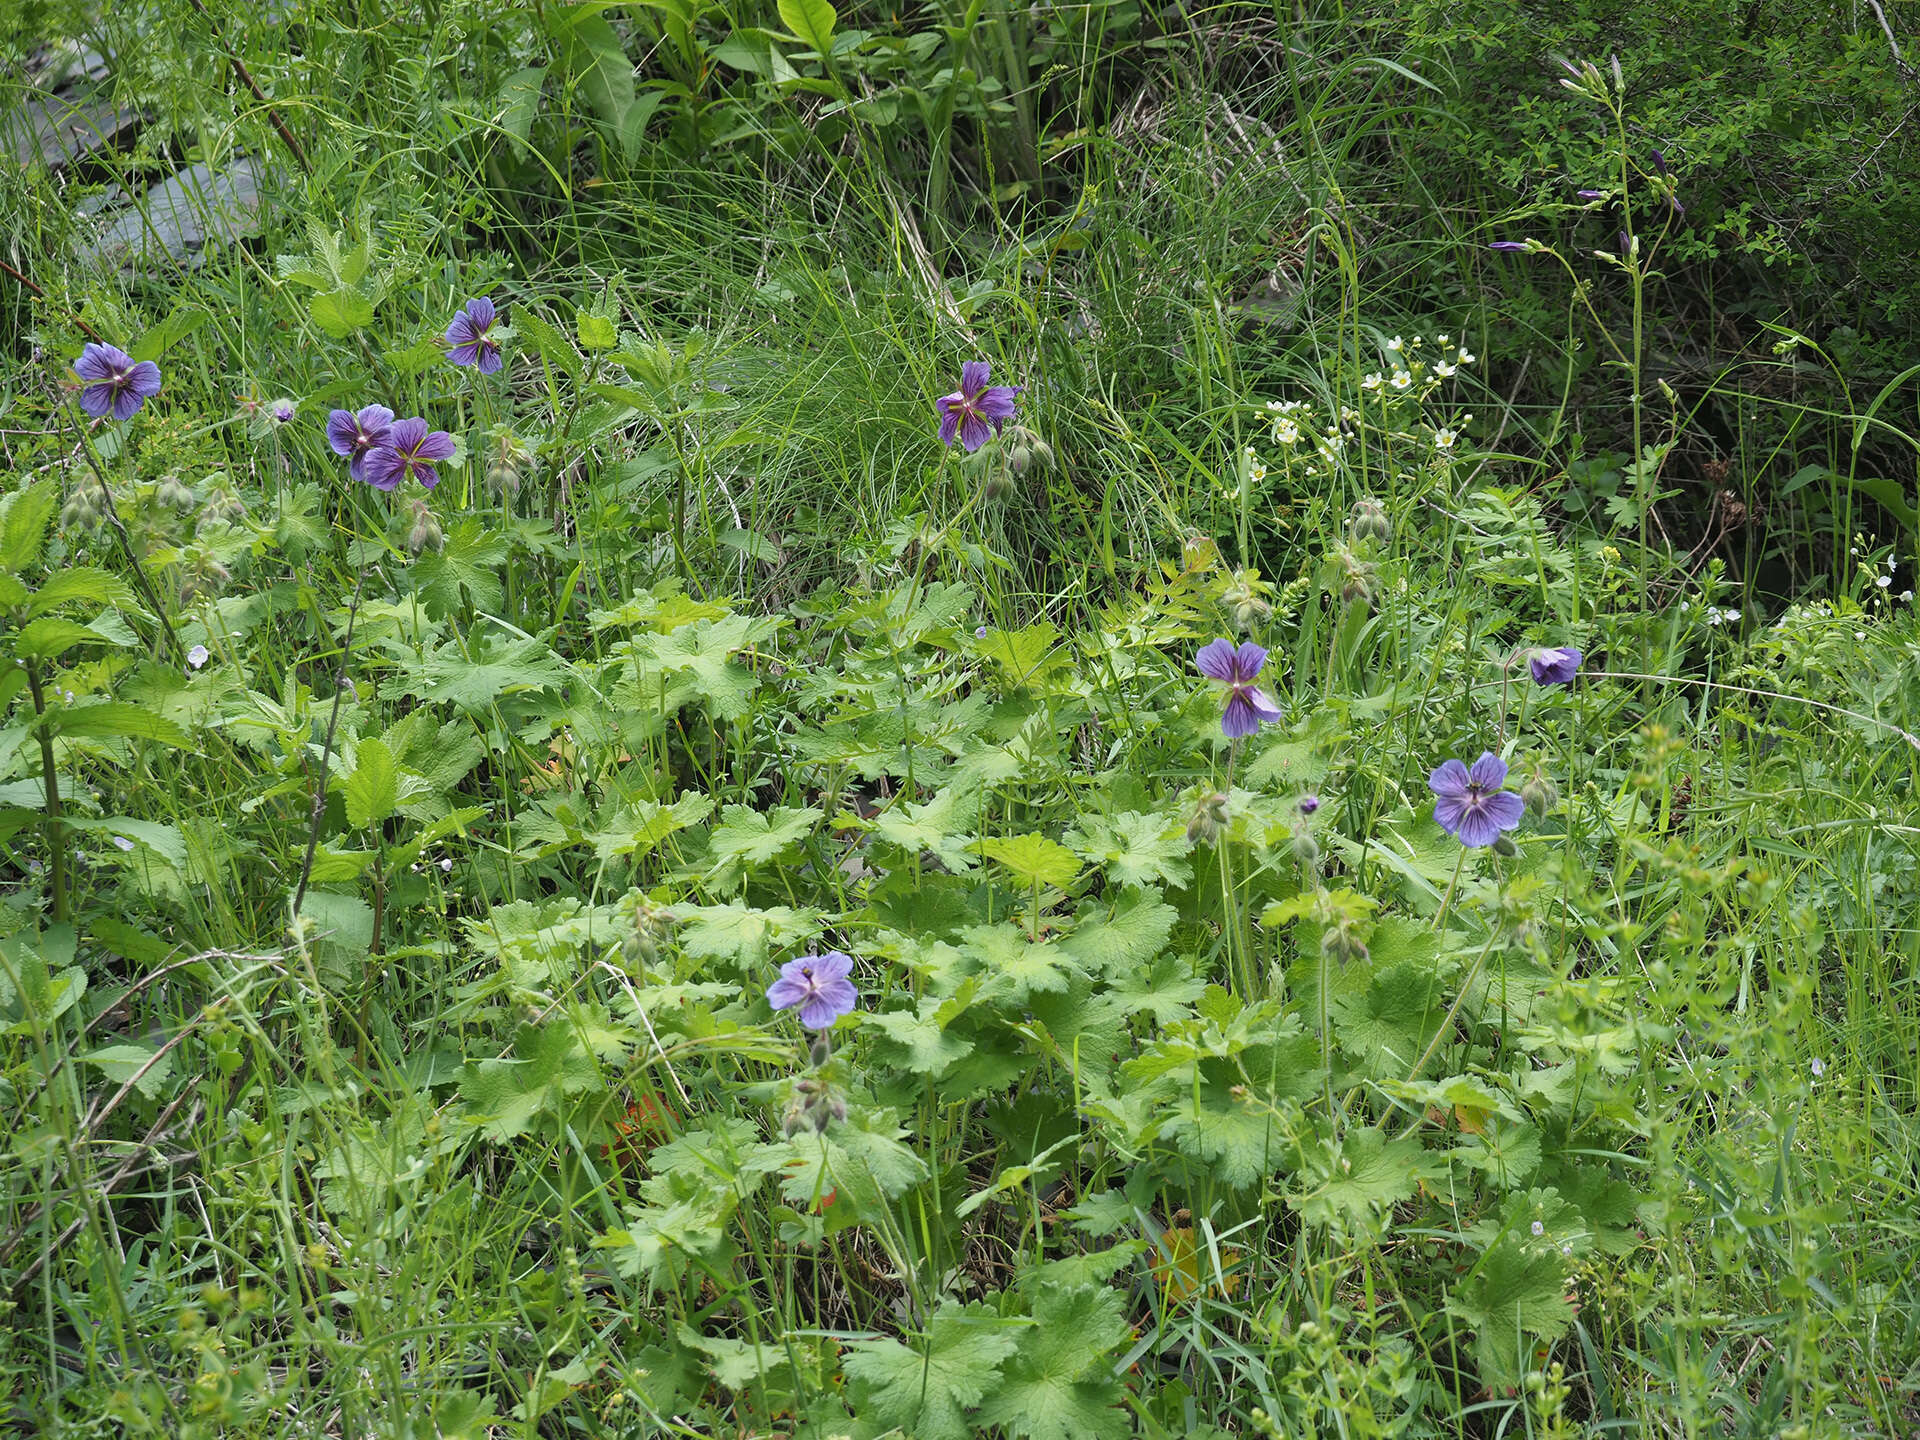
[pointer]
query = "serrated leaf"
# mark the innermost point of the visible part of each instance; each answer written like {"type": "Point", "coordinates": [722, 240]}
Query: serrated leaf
{"type": "Point", "coordinates": [372, 791]}
{"type": "Point", "coordinates": [926, 1390]}
{"type": "Point", "coordinates": [505, 1097]}
{"type": "Point", "coordinates": [116, 717]}
{"type": "Point", "coordinates": [80, 582]}
{"type": "Point", "coordinates": [596, 332]}
{"type": "Point", "coordinates": [51, 636]}
{"type": "Point", "coordinates": [919, 1038]}
{"type": "Point", "coordinates": [1134, 848]}
{"type": "Point", "coordinates": [1516, 1297]}
{"type": "Point", "coordinates": [1033, 859]}
{"type": "Point", "coordinates": [1060, 1385]}
{"type": "Point", "coordinates": [742, 932]}
{"type": "Point", "coordinates": [747, 838]}
{"type": "Point", "coordinates": [339, 313]}
{"type": "Point", "coordinates": [23, 523]}
{"type": "Point", "coordinates": [548, 343]}
{"type": "Point", "coordinates": [942, 825]}
{"type": "Point", "coordinates": [1351, 1183]}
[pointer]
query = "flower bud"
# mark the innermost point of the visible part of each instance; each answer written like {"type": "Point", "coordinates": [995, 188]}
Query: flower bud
{"type": "Point", "coordinates": [1369, 521]}
{"type": "Point", "coordinates": [508, 460]}
{"type": "Point", "coordinates": [1539, 793]}
{"type": "Point", "coordinates": [82, 509]}
{"type": "Point", "coordinates": [1306, 849]}
{"type": "Point", "coordinates": [1245, 599]}
{"type": "Point", "coordinates": [1209, 819]}
{"type": "Point", "coordinates": [997, 483]}
{"type": "Point", "coordinates": [170, 492]}
{"type": "Point", "coordinates": [1341, 940]}
{"type": "Point", "coordinates": [1504, 846]}
{"type": "Point", "coordinates": [426, 533]}
{"type": "Point", "coordinates": [1019, 457]}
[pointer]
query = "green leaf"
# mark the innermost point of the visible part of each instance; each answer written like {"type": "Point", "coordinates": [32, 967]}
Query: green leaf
{"type": "Point", "coordinates": [1515, 1298]}
{"type": "Point", "coordinates": [1060, 1385]}
{"type": "Point", "coordinates": [518, 101]}
{"type": "Point", "coordinates": [1350, 1183]}
{"type": "Point", "coordinates": [812, 22]}
{"type": "Point", "coordinates": [339, 313]}
{"type": "Point", "coordinates": [1134, 848]}
{"type": "Point", "coordinates": [495, 669]}
{"type": "Point", "coordinates": [595, 58]}
{"type": "Point", "coordinates": [23, 523]}
{"type": "Point", "coordinates": [747, 838]}
{"type": "Point", "coordinates": [742, 933]}
{"type": "Point", "coordinates": [50, 637]}
{"type": "Point", "coordinates": [702, 652]}
{"type": "Point", "coordinates": [1033, 859]}
{"type": "Point", "coordinates": [926, 1391]}
{"type": "Point", "coordinates": [115, 717]}
{"type": "Point", "coordinates": [1021, 965]}
{"type": "Point", "coordinates": [942, 825]}
{"type": "Point", "coordinates": [547, 342]}
{"type": "Point", "coordinates": [80, 582]}
{"type": "Point", "coordinates": [373, 790]}
{"type": "Point", "coordinates": [1383, 1031]}
{"type": "Point", "coordinates": [120, 1063]}
{"type": "Point", "coordinates": [919, 1039]}
{"type": "Point", "coordinates": [596, 332]}
{"type": "Point", "coordinates": [183, 320]}
{"type": "Point", "coordinates": [505, 1097]}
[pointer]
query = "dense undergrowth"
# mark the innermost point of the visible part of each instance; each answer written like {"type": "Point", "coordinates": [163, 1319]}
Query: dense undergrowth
{"type": "Point", "coordinates": [396, 879]}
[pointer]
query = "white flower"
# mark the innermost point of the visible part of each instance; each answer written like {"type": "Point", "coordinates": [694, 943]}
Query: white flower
{"type": "Point", "coordinates": [1401, 379]}
{"type": "Point", "coordinates": [1907, 596]}
{"type": "Point", "coordinates": [1257, 473]}
{"type": "Point", "coordinates": [1466, 356]}
{"type": "Point", "coordinates": [123, 842]}
{"type": "Point", "coordinates": [1444, 439]}
{"type": "Point", "coordinates": [1443, 369]}
{"type": "Point", "coordinates": [1394, 343]}
{"type": "Point", "coordinates": [1373, 381]}
{"type": "Point", "coordinates": [1819, 1067]}
{"type": "Point", "coordinates": [197, 656]}
{"type": "Point", "coordinates": [1286, 433]}
{"type": "Point", "coordinates": [1538, 1228]}
{"type": "Point", "coordinates": [446, 867]}
{"type": "Point", "coordinates": [1884, 581]}
{"type": "Point", "coordinates": [1444, 339]}
{"type": "Point", "coordinates": [1348, 414]}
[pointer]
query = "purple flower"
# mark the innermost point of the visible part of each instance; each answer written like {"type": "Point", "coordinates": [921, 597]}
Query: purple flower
{"type": "Point", "coordinates": [354, 434]}
{"type": "Point", "coordinates": [1555, 667]}
{"type": "Point", "coordinates": [818, 984]}
{"type": "Point", "coordinates": [1591, 194]}
{"type": "Point", "coordinates": [409, 450]}
{"type": "Point", "coordinates": [976, 410]}
{"type": "Point", "coordinates": [117, 383]}
{"type": "Point", "coordinates": [283, 410]}
{"type": "Point", "coordinates": [1626, 244]}
{"type": "Point", "coordinates": [1309, 804]}
{"type": "Point", "coordinates": [1659, 162]}
{"type": "Point", "coordinates": [1470, 804]}
{"type": "Point", "coordinates": [467, 336]}
{"type": "Point", "coordinates": [1247, 704]}
{"type": "Point", "coordinates": [1511, 246]}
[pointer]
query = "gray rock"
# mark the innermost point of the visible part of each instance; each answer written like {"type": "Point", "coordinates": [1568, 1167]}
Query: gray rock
{"type": "Point", "coordinates": [179, 216]}
{"type": "Point", "coordinates": [55, 130]}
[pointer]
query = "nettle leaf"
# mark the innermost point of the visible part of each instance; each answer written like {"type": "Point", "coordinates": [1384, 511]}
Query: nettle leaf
{"type": "Point", "coordinates": [504, 1098]}
{"type": "Point", "coordinates": [742, 933]}
{"type": "Point", "coordinates": [1059, 1385]}
{"type": "Point", "coordinates": [635, 829]}
{"type": "Point", "coordinates": [942, 825]}
{"type": "Point", "coordinates": [926, 1390]}
{"type": "Point", "coordinates": [1349, 1184]}
{"type": "Point", "coordinates": [1515, 1298]}
{"type": "Point", "coordinates": [919, 1038]}
{"type": "Point", "coordinates": [1134, 848]}
{"type": "Point", "coordinates": [373, 789]}
{"type": "Point", "coordinates": [24, 516]}
{"type": "Point", "coordinates": [747, 838]}
{"type": "Point", "coordinates": [50, 637]}
{"type": "Point", "coordinates": [1033, 859]}
{"type": "Point", "coordinates": [80, 582]}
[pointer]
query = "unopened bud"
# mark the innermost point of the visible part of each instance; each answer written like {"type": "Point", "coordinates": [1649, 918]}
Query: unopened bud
{"type": "Point", "coordinates": [1369, 521]}
{"type": "Point", "coordinates": [1504, 846]}
{"type": "Point", "coordinates": [170, 492]}
{"type": "Point", "coordinates": [426, 533]}
{"type": "Point", "coordinates": [1019, 457]}
{"type": "Point", "coordinates": [1539, 793]}
{"type": "Point", "coordinates": [1341, 941]}
{"type": "Point", "coordinates": [997, 483]}
{"type": "Point", "coordinates": [1306, 849]}
{"type": "Point", "coordinates": [1209, 819]}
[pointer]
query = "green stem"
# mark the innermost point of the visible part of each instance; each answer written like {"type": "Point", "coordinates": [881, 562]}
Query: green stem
{"type": "Point", "coordinates": [56, 834]}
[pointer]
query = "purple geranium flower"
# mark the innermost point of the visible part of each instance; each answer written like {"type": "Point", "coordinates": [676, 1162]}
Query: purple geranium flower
{"type": "Point", "coordinates": [467, 336]}
{"type": "Point", "coordinates": [1469, 803]}
{"type": "Point", "coordinates": [354, 434]}
{"type": "Point", "coordinates": [1511, 246]}
{"type": "Point", "coordinates": [409, 450]}
{"type": "Point", "coordinates": [1591, 194]}
{"type": "Point", "coordinates": [117, 383]}
{"type": "Point", "coordinates": [1555, 667]}
{"type": "Point", "coordinates": [976, 410]}
{"type": "Point", "coordinates": [818, 984]}
{"type": "Point", "coordinates": [1247, 704]}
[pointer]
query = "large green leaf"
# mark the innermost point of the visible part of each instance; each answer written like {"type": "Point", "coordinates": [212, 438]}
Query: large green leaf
{"type": "Point", "coordinates": [23, 523]}
{"type": "Point", "coordinates": [812, 22]}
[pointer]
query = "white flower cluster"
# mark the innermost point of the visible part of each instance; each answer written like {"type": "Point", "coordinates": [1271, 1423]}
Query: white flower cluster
{"type": "Point", "coordinates": [1877, 571]}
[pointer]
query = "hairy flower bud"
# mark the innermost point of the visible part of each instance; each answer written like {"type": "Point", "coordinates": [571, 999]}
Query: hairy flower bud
{"type": "Point", "coordinates": [1539, 793]}
{"type": "Point", "coordinates": [1359, 583]}
{"type": "Point", "coordinates": [171, 493]}
{"type": "Point", "coordinates": [508, 460]}
{"type": "Point", "coordinates": [1209, 819]}
{"type": "Point", "coordinates": [1341, 940]}
{"type": "Point", "coordinates": [82, 509]}
{"type": "Point", "coordinates": [1245, 599]}
{"type": "Point", "coordinates": [1369, 521]}
{"type": "Point", "coordinates": [426, 533]}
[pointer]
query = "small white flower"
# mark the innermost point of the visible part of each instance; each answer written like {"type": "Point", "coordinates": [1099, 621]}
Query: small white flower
{"type": "Point", "coordinates": [1444, 339]}
{"type": "Point", "coordinates": [1466, 356]}
{"type": "Point", "coordinates": [1884, 582]}
{"type": "Point", "coordinates": [197, 656]}
{"type": "Point", "coordinates": [123, 842]}
{"type": "Point", "coordinates": [1401, 380]}
{"type": "Point", "coordinates": [446, 867]}
{"type": "Point", "coordinates": [1907, 596]}
{"type": "Point", "coordinates": [1286, 433]}
{"type": "Point", "coordinates": [1257, 473]}
{"type": "Point", "coordinates": [1538, 1228]}
{"type": "Point", "coordinates": [1443, 369]}
{"type": "Point", "coordinates": [1860, 635]}
{"type": "Point", "coordinates": [1394, 343]}
{"type": "Point", "coordinates": [1373, 381]}
{"type": "Point", "coordinates": [1444, 439]}
{"type": "Point", "coordinates": [1819, 1067]}
{"type": "Point", "coordinates": [1348, 414]}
